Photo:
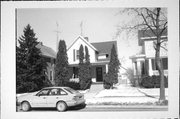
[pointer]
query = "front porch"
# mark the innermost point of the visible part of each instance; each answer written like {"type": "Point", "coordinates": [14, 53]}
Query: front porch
{"type": "Point", "coordinates": [98, 70]}
{"type": "Point", "coordinates": [146, 66]}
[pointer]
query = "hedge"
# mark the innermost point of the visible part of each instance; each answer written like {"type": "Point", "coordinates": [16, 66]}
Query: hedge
{"type": "Point", "coordinates": [73, 85]}
{"type": "Point", "coordinates": [153, 81]}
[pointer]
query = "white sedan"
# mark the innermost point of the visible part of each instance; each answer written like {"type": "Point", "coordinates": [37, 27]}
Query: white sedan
{"type": "Point", "coordinates": [59, 97]}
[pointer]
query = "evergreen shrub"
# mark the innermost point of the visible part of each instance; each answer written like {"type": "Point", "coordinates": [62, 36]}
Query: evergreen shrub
{"type": "Point", "coordinates": [72, 84]}
{"type": "Point", "coordinates": [153, 81]}
{"type": "Point", "coordinates": [107, 84]}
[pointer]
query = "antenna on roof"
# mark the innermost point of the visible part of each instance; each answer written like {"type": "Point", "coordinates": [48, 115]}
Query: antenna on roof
{"type": "Point", "coordinates": [57, 33]}
{"type": "Point", "coordinates": [81, 26]}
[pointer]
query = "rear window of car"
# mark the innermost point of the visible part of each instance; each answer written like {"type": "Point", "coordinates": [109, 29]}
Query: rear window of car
{"type": "Point", "coordinates": [70, 90]}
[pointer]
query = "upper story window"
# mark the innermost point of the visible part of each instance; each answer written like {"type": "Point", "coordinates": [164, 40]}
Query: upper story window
{"type": "Point", "coordinates": [77, 54]}
{"type": "Point", "coordinates": [104, 56]}
{"type": "Point", "coordinates": [164, 63]}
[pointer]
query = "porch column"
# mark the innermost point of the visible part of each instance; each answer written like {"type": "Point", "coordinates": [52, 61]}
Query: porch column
{"type": "Point", "coordinates": [106, 68]}
{"type": "Point", "coordinates": [150, 68]}
{"type": "Point", "coordinates": [134, 68]}
{"type": "Point", "coordinates": [138, 68]}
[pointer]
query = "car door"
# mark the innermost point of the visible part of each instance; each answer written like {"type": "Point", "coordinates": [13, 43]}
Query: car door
{"type": "Point", "coordinates": [55, 95]}
{"type": "Point", "coordinates": [40, 99]}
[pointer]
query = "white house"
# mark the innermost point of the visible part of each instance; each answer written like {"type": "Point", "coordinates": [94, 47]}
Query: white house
{"type": "Point", "coordinates": [99, 57]}
{"type": "Point", "coordinates": [144, 63]}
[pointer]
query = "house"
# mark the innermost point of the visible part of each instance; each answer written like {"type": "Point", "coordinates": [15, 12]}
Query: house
{"type": "Point", "coordinates": [99, 57]}
{"type": "Point", "coordinates": [144, 63]}
{"type": "Point", "coordinates": [49, 56]}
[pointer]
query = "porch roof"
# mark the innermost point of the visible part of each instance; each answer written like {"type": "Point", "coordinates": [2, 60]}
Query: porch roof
{"type": "Point", "coordinates": [93, 63]}
{"type": "Point", "coordinates": [138, 57]}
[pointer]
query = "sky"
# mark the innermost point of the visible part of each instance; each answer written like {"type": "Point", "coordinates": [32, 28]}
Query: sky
{"type": "Point", "coordinates": [99, 25]}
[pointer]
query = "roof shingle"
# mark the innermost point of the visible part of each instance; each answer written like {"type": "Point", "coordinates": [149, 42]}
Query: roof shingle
{"type": "Point", "coordinates": [104, 47]}
{"type": "Point", "coordinates": [46, 51]}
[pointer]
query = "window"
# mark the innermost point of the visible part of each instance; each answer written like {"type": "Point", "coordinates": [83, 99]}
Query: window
{"type": "Point", "coordinates": [77, 54]}
{"type": "Point", "coordinates": [74, 54]}
{"type": "Point", "coordinates": [44, 92]}
{"type": "Point", "coordinates": [57, 91]}
{"type": "Point", "coordinates": [71, 90]}
{"type": "Point", "coordinates": [107, 55]}
{"type": "Point", "coordinates": [62, 92]}
{"type": "Point", "coordinates": [54, 92]}
{"type": "Point", "coordinates": [165, 63]}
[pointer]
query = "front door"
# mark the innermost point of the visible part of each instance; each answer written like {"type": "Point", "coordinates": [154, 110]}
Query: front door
{"type": "Point", "coordinates": [99, 75]}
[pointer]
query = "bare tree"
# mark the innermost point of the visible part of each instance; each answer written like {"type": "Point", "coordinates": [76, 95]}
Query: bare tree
{"type": "Point", "coordinates": [154, 20]}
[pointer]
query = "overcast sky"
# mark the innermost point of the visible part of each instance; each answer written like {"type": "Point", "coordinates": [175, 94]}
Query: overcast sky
{"type": "Point", "coordinates": [99, 24]}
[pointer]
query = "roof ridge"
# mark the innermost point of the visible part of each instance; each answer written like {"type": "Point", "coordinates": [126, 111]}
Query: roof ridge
{"type": "Point", "coordinates": [105, 41]}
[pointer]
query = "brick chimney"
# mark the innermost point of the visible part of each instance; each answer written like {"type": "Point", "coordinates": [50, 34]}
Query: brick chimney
{"type": "Point", "coordinates": [86, 38]}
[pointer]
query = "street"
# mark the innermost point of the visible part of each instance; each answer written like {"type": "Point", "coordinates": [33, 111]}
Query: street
{"type": "Point", "coordinates": [104, 108]}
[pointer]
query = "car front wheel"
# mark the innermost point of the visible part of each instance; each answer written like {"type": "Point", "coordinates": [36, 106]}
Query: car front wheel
{"type": "Point", "coordinates": [61, 106]}
{"type": "Point", "coordinates": [25, 106]}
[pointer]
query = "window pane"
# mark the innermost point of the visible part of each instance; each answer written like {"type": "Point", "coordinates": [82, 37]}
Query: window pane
{"type": "Point", "coordinates": [54, 92]}
{"type": "Point", "coordinates": [74, 54]}
{"type": "Point", "coordinates": [62, 92]}
{"type": "Point", "coordinates": [165, 63]}
{"type": "Point", "coordinates": [77, 54]}
{"type": "Point", "coordinates": [44, 92]}
{"type": "Point", "coordinates": [71, 90]}
{"type": "Point", "coordinates": [153, 64]}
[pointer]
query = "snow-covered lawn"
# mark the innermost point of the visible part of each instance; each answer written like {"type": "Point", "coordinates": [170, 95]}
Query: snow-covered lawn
{"type": "Point", "coordinates": [125, 95]}
{"type": "Point", "coordinates": [153, 91]}
{"type": "Point", "coordinates": [122, 100]}
{"type": "Point", "coordinates": [127, 92]}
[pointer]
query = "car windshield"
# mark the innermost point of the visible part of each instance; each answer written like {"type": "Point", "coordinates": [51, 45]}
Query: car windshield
{"type": "Point", "coordinates": [72, 91]}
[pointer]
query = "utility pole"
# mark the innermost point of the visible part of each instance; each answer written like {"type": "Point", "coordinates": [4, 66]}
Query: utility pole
{"type": "Point", "coordinates": [57, 33]}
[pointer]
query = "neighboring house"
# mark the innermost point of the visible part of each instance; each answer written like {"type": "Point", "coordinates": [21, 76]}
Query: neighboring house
{"type": "Point", "coordinates": [99, 57]}
{"type": "Point", "coordinates": [50, 56]}
{"type": "Point", "coordinates": [144, 63]}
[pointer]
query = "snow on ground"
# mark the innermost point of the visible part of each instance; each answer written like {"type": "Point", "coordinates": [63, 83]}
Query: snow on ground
{"type": "Point", "coordinates": [152, 91]}
{"type": "Point", "coordinates": [132, 92]}
{"type": "Point", "coordinates": [122, 100]}
{"type": "Point", "coordinates": [124, 94]}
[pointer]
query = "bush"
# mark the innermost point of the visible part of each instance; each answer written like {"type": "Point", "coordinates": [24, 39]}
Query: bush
{"type": "Point", "coordinates": [85, 84]}
{"type": "Point", "coordinates": [152, 81]}
{"type": "Point", "coordinates": [73, 85]}
{"type": "Point", "coordinates": [106, 83]}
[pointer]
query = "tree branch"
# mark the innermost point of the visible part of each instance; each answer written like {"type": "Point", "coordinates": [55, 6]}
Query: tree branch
{"type": "Point", "coordinates": [163, 47]}
{"type": "Point", "coordinates": [148, 24]}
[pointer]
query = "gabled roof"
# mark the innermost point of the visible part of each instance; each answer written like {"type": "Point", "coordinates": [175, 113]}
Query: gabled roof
{"type": "Point", "coordinates": [104, 47]}
{"type": "Point", "coordinates": [83, 39]}
{"type": "Point", "coordinates": [46, 51]}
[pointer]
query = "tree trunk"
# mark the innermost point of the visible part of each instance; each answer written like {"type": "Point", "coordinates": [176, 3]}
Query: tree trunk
{"type": "Point", "coordinates": [161, 71]}
{"type": "Point", "coordinates": [158, 60]}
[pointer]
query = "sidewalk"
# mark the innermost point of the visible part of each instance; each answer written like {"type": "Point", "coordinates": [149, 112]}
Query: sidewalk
{"type": "Point", "coordinates": [123, 95]}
